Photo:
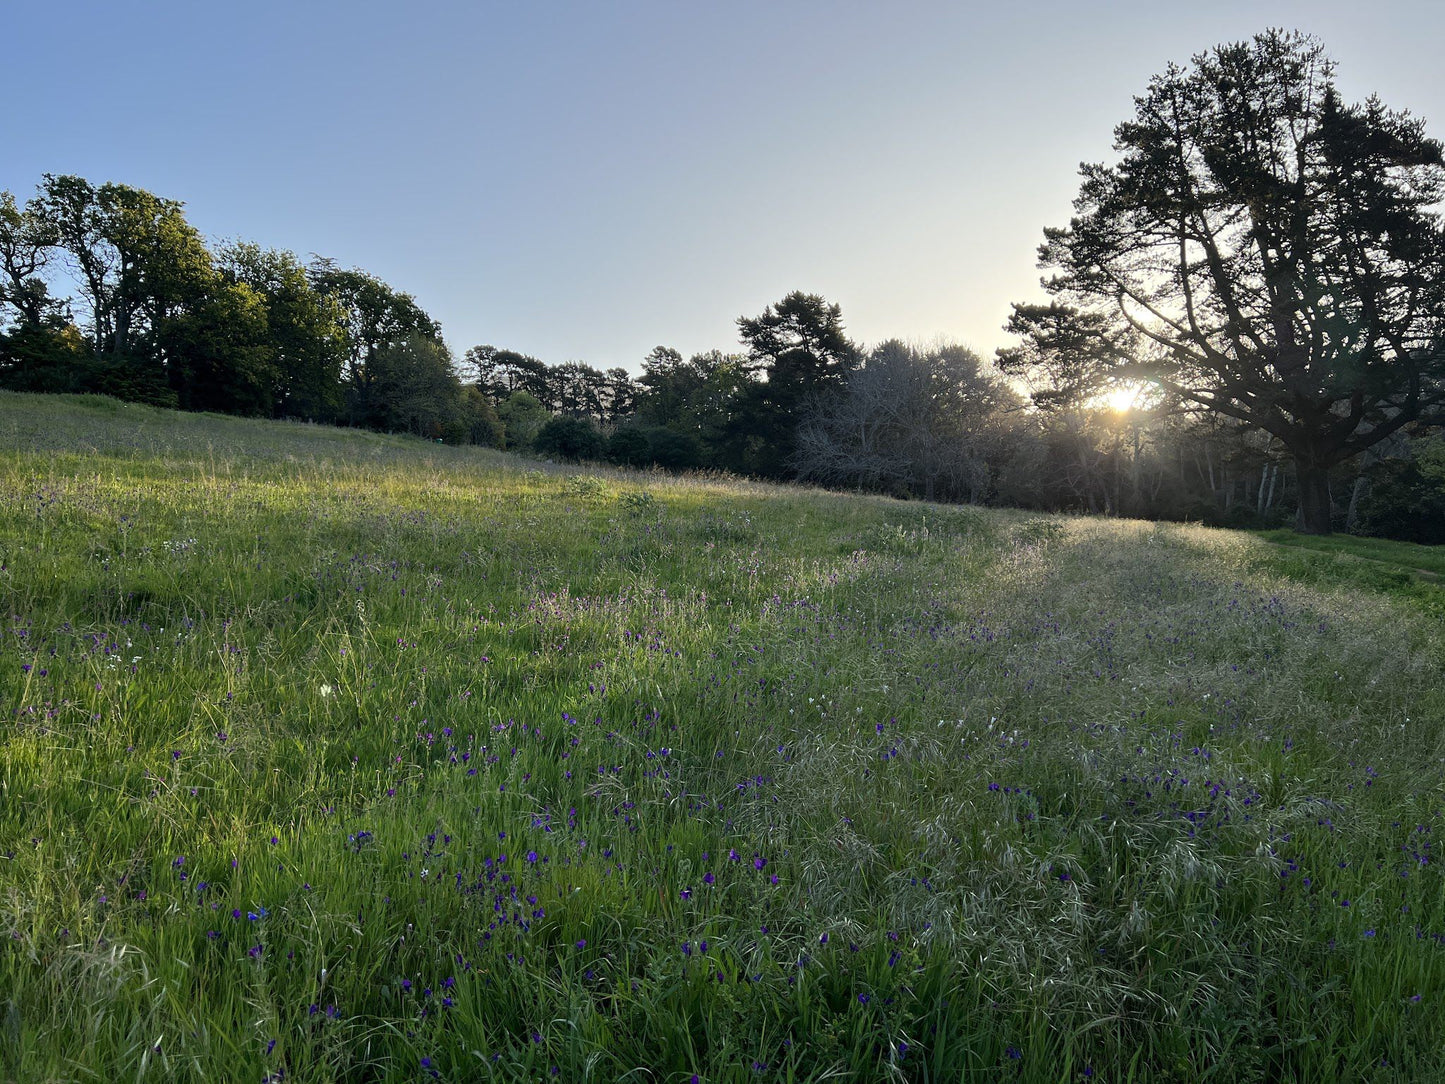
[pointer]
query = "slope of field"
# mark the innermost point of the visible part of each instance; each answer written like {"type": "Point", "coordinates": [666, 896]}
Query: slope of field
{"type": "Point", "coordinates": [328, 756]}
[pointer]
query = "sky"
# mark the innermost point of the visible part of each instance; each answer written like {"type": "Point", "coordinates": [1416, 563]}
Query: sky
{"type": "Point", "coordinates": [585, 181]}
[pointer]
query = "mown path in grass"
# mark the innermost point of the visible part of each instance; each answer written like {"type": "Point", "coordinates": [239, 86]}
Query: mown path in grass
{"type": "Point", "coordinates": [327, 757]}
{"type": "Point", "coordinates": [1424, 562]}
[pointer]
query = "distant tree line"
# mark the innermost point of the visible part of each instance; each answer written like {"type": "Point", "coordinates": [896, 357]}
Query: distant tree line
{"type": "Point", "coordinates": [1276, 303]}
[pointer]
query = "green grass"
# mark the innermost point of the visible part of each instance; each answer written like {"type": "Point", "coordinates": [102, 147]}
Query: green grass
{"type": "Point", "coordinates": [1409, 556]}
{"type": "Point", "coordinates": [1012, 797]}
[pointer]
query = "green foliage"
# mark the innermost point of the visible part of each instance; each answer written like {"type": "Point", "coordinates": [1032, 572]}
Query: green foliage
{"type": "Point", "coordinates": [522, 416]}
{"type": "Point", "coordinates": [482, 424]}
{"type": "Point", "coordinates": [34, 357]}
{"type": "Point", "coordinates": [412, 388]}
{"type": "Point", "coordinates": [132, 379]}
{"type": "Point", "coordinates": [245, 331]}
{"type": "Point", "coordinates": [673, 450]}
{"type": "Point", "coordinates": [305, 336]}
{"type": "Point", "coordinates": [1406, 498]}
{"type": "Point", "coordinates": [629, 447]}
{"type": "Point", "coordinates": [571, 439]}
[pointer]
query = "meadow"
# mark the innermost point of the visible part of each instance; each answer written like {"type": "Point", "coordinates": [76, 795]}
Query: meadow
{"type": "Point", "coordinates": [329, 756]}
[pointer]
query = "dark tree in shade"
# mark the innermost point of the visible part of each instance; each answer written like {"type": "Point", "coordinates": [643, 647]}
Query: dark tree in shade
{"type": "Point", "coordinates": [1261, 250]}
{"type": "Point", "coordinates": [800, 346]}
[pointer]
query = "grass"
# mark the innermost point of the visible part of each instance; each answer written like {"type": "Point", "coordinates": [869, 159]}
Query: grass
{"type": "Point", "coordinates": [1427, 562]}
{"type": "Point", "coordinates": [327, 756]}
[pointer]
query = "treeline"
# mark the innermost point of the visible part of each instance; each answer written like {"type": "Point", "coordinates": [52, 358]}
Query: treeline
{"type": "Point", "coordinates": [108, 289]}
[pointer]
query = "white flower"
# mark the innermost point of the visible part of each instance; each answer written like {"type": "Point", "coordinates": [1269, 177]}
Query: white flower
{"type": "Point", "coordinates": [327, 690]}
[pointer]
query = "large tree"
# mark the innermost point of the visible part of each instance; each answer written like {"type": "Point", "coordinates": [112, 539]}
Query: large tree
{"type": "Point", "coordinates": [27, 246]}
{"type": "Point", "coordinates": [138, 262]}
{"type": "Point", "coordinates": [305, 330]}
{"type": "Point", "coordinates": [374, 317]}
{"type": "Point", "coordinates": [800, 347]}
{"type": "Point", "coordinates": [1261, 250]}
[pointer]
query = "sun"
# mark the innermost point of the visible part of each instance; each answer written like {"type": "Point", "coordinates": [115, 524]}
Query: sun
{"type": "Point", "coordinates": [1123, 398]}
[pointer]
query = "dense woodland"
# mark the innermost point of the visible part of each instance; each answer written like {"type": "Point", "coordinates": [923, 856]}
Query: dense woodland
{"type": "Point", "coordinates": [108, 289]}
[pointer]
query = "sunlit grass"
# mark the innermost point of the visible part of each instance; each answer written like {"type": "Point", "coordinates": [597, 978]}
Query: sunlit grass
{"type": "Point", "coordinates": [789, 785]}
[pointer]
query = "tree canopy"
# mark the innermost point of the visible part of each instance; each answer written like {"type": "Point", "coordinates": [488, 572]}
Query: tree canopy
{"type": "Point", "coordinates": [1261, 250]}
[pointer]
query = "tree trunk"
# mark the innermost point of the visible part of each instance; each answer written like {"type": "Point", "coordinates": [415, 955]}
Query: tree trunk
{"type": "Point", "coordinates": [1361, 487]}
{"type": "Point", "coordinates": [1313, 516]}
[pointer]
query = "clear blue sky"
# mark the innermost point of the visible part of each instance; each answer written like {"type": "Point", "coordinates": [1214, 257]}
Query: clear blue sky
{"type": "Point", "coordinates": [587, 180]}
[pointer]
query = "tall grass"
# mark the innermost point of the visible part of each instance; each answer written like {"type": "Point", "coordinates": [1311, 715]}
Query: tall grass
{"type": "Point", "coordinates": [328, 756]}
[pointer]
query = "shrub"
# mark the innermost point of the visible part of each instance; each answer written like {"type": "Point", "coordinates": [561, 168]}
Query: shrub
{"type": "Point", "coordinates": [629, 448]}
{"type": "Point", "coordinates": [569, 438]}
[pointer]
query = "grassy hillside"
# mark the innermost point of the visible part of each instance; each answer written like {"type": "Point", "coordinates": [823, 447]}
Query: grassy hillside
{"type": "Point", "coordinates": [328, 756]}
